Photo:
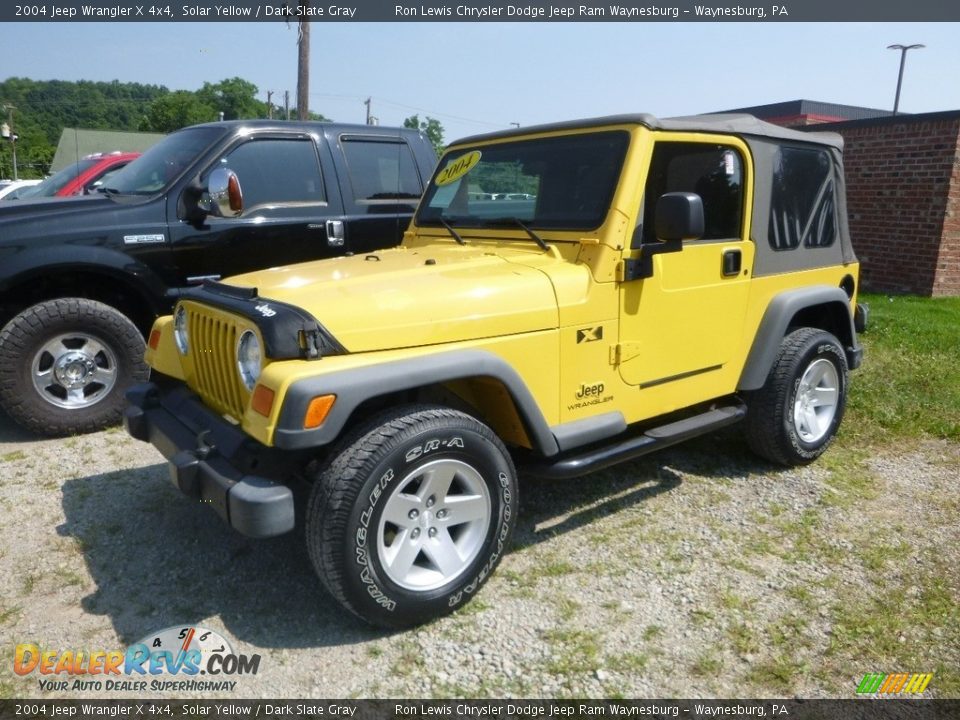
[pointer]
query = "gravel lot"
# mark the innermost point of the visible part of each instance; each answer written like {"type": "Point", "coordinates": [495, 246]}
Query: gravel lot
{"type": "Point", "coordinates": [699, 571]}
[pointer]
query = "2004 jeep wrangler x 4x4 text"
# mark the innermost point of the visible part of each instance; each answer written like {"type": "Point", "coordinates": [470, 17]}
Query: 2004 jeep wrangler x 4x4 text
{"type": "Point", "coordinates": [567, 297]}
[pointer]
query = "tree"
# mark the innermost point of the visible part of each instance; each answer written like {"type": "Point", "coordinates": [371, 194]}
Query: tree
{"type": "Point", "coordinates": [176, 110]}
{"type": "Point", "coordinates": [45, 107]}
{"type": "Point", "coordinates": [430, 127]}
{"type": "Point", "coordinates": [235, 98]}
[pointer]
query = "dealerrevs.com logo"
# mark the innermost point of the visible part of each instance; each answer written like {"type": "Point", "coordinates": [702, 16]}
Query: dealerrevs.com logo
{"type": "Point", "coordinates": [182, 658]}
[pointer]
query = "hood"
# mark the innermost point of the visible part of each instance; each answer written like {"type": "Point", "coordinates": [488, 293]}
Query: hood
{"type": "Point", "coordinates": [27, 209]}
{"type": "Point", "coordinates": [410, 297]}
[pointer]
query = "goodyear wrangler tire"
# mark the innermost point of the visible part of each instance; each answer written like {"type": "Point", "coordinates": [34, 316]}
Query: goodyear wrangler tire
{"type": "Point", "coordinates": [794, 417]}
{"type": "Point", "coordinates": [411, 514]}
{"type": "Point", "coordinates": [65, 365]}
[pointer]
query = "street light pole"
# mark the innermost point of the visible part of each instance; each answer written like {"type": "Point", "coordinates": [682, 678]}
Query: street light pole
{"type": "Point", "coordinates": [903, 59]}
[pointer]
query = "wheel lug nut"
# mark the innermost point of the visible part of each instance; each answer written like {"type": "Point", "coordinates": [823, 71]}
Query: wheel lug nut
{"type": "Point", "coordinates": [415, 534]}
{"type": "Point", "coordinates": [413, 514]}
{"type": "Point", "coordinates": [431, 501]}
{"type": "Point", "coordinates": [441, 514]}
{"type": "Point", "coordinates": [432, 532]}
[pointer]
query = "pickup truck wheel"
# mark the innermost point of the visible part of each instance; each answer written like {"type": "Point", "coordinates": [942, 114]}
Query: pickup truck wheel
{"type": "Point", "coordinates": [794, 417]}
{"type": "Point", "coordinates": [411, 514]}
{"type": "Point", "coordinates": [65, 364]}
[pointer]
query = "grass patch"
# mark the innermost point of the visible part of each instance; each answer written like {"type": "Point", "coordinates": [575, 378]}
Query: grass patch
{"type": "Point", "coordinates": [743, 639]}
{"type": "Point", "coordinates": [13, 456]}
{"type": "Point", "coordinates": [779, 673]}
{"type": "Point", "coordinates": [909, 385]}
{"type": "Point", "coordinates": [567, 607]}
{"type": "Point", "coordinates": [9, 613]}
{"type": "Point", "coordinates": [707, 665]}
{"type": "Point", "coordinates": [557, 568]}
{"type": "Point", "coordinates": [629, 662]}
{"type": "Point", "coordinates": [575, 651]}
{"type": "Point", "coordinates": [476, 606]}
{"type": "Point", "coordinates": [652, 632]}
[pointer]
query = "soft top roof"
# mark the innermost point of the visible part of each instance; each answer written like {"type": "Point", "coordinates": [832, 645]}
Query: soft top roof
{"type": "Point", "coordinates": [725, 123]}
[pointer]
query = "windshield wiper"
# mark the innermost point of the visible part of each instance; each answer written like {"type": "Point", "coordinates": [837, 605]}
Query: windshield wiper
{"type": "Point", "coordinates": [449, 227]}
{"type": "Point", "coordinates": [526, 228]}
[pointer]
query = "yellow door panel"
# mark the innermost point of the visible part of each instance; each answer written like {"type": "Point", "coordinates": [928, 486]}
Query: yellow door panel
{"type": "Point", "coordinates": [682, 327]}
{"type": "Point", "coordinates": [686, 319]}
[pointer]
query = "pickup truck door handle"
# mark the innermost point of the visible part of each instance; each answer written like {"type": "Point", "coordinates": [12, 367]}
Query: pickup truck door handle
{"type": "Point", "coordinates": [335, 234]}
{"type": "Point", "coordinates": [731, 263]}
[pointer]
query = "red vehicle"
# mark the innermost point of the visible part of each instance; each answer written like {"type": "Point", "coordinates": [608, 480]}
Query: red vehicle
{"type": "Point", "coordinates": [82, 177]}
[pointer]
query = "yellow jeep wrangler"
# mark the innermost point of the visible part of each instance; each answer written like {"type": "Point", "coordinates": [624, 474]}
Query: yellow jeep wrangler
{"type": "Point", "coordinates": [567, 297]}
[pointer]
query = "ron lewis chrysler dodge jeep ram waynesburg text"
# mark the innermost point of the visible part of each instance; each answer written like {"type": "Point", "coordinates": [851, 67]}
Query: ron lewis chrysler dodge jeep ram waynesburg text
{"type": "Point", "coordinates": [567, 297]}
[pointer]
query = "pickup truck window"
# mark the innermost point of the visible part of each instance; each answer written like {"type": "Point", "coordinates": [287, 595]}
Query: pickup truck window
{"type": "Point", "coordinates": [563, 182]}
{"type": "Point", "coordinates": [163, 163]}
{"type": "Point", "coordinates": [277, 172]}
{"type": "Point", "coordinates": [381, 170]}
{"type": "Point", "coordinates": [714, 172]}
{"type": "Point", "coordinates": [802, 207]}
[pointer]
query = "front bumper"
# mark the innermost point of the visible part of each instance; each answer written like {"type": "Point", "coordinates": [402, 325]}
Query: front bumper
{"type": "Point", "coordinates": [212, 461]}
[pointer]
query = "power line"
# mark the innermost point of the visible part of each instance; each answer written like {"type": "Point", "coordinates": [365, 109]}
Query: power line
{"type": "Point", "coordinates": [432, 113]}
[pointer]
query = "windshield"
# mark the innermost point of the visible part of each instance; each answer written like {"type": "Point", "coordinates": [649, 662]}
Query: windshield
{"type": "Point", "coordinates": [53, 184]}
{"type": "Point", "coordinates": [563, 182]}
{"type": "Point", "coordinates": [163, 163]}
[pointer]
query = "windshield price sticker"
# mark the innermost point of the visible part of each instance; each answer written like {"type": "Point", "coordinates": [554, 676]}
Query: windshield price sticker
{"type": "Point", "coordinates": [457, 168]}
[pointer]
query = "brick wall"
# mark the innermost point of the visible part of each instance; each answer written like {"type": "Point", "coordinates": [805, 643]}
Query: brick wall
{"type": "Point", "coordinates": [903, 199]}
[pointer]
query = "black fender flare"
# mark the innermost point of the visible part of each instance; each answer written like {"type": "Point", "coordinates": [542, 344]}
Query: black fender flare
{"type": "Point", "coordinates": [776, 320]}
{"type": "Point", "coordinates": [355, 386]}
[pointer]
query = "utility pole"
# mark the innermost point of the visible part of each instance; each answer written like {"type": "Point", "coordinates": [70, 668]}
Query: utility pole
{"type": "Point", "coordinates": [286, 103]}
{"type": "Point", "coordinates": [269, 105]}
{"type": "Point", "coordinates": [367, 103]}
{"type": "Point", "coordinates": [903, 59]}
{"type": "Point", "coordinates": [8, 133]}
{"type": "Point", "coordinates": [303, 63]}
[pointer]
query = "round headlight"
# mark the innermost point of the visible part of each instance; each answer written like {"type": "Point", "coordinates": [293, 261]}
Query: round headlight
{"type": "Point", "coordinates": [180, 329]}
{"type": "Point", "coordinates": [248, 358]}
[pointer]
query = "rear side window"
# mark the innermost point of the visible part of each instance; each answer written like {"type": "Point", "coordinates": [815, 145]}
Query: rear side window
{"type": "Point", "coordinates": [802, 202]}
{"type": "Point", "coordinates": [714, 172]}
{"type": "Point", "coordinates": [381, 170]}
{"type": "Point", "coordinates": [277, 172]}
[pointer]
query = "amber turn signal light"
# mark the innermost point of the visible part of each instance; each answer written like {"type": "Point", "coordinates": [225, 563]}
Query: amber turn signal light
{"type": "Point", "coordinates": [262, 401]}
{"type": "Point", "coordinates": [154, 339]}
{"type": "Point", "coordinates": [317, 411]}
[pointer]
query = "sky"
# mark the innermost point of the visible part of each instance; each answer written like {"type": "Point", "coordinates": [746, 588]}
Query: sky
{"type": "Point", "coordinates": [481, 77]}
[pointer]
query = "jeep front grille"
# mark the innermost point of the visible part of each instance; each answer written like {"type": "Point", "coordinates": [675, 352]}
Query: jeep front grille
{"type": "Point", "coordinates": [213, 350]}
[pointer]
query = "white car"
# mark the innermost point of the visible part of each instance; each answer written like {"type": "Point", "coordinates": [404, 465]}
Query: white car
{"type": "Point", "coordinates": [11, 189]}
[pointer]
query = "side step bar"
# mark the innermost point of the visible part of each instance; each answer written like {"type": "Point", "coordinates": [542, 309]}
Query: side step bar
{"type": "Point", "coordinates": [627, 449]}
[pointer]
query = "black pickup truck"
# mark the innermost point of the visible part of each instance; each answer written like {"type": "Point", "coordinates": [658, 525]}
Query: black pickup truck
{"type": "Point", "coordinates": [81, 279]}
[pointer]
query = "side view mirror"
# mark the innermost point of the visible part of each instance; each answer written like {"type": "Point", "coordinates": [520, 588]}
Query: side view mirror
{"type": "Point", "coordinates": [223, 196]}
{"type": "Point", "coordinates": [679, 217]}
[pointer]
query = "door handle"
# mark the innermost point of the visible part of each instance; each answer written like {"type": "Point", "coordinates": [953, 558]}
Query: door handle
{"type": "Point", "coordinates": [731, 263]}
{"type": "Point", "coordinates": [335, 233]}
